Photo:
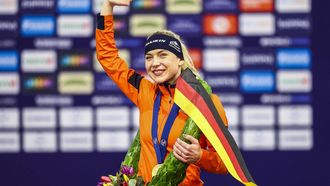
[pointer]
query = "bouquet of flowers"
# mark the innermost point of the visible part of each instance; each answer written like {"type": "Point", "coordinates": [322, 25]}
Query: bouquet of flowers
{"type": "Point", "coordinates": [170, 173]}
{"type": "Point", "coordinates": [126, 177]}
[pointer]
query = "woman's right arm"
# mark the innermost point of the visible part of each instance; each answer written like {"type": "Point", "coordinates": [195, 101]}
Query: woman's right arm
{"type": "Point", "coordinates": [107, 54]}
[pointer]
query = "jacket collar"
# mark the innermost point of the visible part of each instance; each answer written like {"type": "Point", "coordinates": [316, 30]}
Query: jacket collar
{"type": "Point", "coordinates": [166, 89]}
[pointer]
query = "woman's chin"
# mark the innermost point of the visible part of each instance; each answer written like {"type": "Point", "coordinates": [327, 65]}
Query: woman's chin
{"type": "Point", "coordinates": [159, 80]}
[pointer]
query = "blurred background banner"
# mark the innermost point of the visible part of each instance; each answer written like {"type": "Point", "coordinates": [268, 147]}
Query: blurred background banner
{"type": "Point", "coordinates": [64, 122]}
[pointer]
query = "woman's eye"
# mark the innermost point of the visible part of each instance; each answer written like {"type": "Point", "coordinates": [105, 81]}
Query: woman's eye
{"type": "Point", "coordinates": [148, 58]}
{"type": "Point", "coordinates": [163, 55]}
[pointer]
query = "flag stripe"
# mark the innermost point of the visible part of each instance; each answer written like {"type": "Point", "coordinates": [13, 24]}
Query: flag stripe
{"type": "Point", "coordinates": [198, 101]}
{"type": "Point", "coordinates": [188, 80]}
{"type": "Point", "coordinates": [185, 104]}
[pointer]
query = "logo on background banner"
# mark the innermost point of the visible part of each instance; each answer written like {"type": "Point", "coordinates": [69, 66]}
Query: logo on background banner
{"type": "Point", "coordinates": [144, 25]}
{"type": "Point", "coordinates": [196, 56]}
{"type": "Point", "coordinates": [293, 6]}
{"type": "Point", "coordinates": [8, 60]}
{"type": "Point", "coordinates": [294, 24]}
{"type": "Point", "coordinates": [256, 24]}
{"type": "Point", "coordinates": [33, 84]}
{"type": "Point", "coordinates": [294, 81]}
{"type": "Point", "coordinates": [76, 83]}
{"type": "Point", "coordinates": [220, 24]}
{"type": "Point", "coordinates": [256, 5]}
{"type": "Point", "coordinates": [293, 58]}
{"type": "Point", "coordinates": [154, 5]}
{"type": "Point", "coordinates": [37, 25]}
{"type": "Point", "coordinates": [9, 84]}
{"type": "Point", "coordinates": [39, 141]}
{"type": "Point", "coordinates": [257, 81]}
{"type": "Point", "coordinates": [185, 25]}
{"type": "Point", "coordinates": [121, 25]}
{"type": "Point", "coordinates": [39, 60]}
{"type": "Point", "coordinates": [218, 6]}
{"type": "Point", "coordinates": [104, 84]}
{"type": "Point", "coordinates": [73, 6]}
{"type": "Point", "coordinates": [184, 6]}
{"type": "Point", "coordinates": [9, 118]}
{"type": "Point", "coordinates": [33, 5]}
{"type": "Point", "coordinates": [75, 60]}
{"type": "Point", "coordinates": [9, 142]}
{"type": "Point", "coordinates": [138, 60]}
{"type": "Point", "coordinates": [8, 27]}
{"type": "Point", "coordinates": [222, 82]}
{"type": "Point", "coordinates": [295, 115]}
{"type": "Point", "coordinates": [8, 7]}
{"type": "Point", "coordinates": [257, 57]}
{"type": "Point", "coordinates": [40, 118]}
{"type": "Point", "coordinates": [75, 25]}
{"type": "Point", "coordinates": [219, 60]}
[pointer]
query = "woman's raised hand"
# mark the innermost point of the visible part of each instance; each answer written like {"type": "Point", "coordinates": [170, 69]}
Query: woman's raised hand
{"type": "Point", "coordinates": [107, 7]}
{"type": "Point", "coordinates": [120, 2]}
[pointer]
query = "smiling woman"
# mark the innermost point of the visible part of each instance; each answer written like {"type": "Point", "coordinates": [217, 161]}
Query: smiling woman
{"type": "Point", "coordinates": [161, 120]}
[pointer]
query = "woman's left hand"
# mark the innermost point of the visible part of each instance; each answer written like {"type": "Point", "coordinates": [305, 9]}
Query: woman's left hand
{"type": "Point", "coordinates": [187, 153]}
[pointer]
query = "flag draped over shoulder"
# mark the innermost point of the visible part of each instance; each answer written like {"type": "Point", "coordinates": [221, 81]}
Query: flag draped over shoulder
{"type": "Point", "coordinates": [193, 99]}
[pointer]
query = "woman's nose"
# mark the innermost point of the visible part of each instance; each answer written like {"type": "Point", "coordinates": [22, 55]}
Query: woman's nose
{"type": "Point", "coordinates": [156, 62]}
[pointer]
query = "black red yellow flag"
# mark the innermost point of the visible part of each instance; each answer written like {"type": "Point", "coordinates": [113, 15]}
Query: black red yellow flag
{"type": "Point", "coordinates": [194, 100]}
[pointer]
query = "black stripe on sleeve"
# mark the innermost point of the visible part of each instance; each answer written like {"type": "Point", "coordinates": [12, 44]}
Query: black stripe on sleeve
{"type": "Point", "coordinates": [100, 21]}
{"type": "Point", "coordinates": [135, 80]}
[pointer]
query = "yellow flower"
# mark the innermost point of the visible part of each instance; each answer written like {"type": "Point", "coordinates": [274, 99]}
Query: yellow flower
{"type": "Point", "coordinates": [126, 178]}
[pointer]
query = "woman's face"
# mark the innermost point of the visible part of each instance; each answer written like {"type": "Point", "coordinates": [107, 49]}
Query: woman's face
{"type": "Point", "coordinates": [163, 66]}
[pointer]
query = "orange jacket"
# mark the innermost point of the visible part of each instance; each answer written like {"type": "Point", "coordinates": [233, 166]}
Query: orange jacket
{"type": "Point", "coordinates": [142, 93]}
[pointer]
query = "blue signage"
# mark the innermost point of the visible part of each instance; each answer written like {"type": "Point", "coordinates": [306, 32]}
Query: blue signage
{"type": "Point", "coordinates": [38, 25]}
{"type": "Point", "coordinates": [255, 81]}
{"type": "Point", "coordinates": [8, 60]}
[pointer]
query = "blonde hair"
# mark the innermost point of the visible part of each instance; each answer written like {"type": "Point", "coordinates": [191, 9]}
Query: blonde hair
{"type": "Point", "coordinates": [188, 62]}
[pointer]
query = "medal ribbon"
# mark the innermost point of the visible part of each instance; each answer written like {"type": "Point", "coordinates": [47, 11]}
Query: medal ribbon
{"type": "Point", "coordinates": [160, 148]}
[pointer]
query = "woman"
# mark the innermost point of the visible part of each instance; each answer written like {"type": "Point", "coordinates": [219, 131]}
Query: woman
{"type": "Point", "coordinates": [165, 57]}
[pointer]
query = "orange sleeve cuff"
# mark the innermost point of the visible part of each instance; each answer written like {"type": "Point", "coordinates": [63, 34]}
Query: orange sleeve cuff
{"type": "Point", "coordinates": [203, 158]}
